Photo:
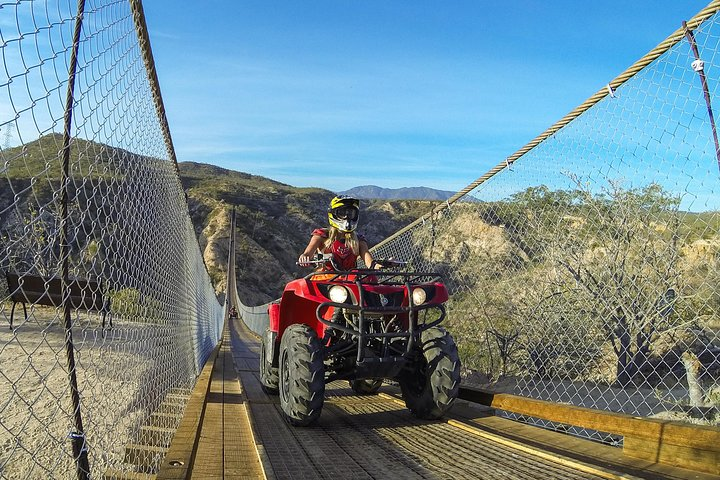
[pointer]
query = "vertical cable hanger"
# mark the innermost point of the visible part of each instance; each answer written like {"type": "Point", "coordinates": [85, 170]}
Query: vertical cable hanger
{"type": "Point", "coordinates": [77, 437]}
{"type": "Point", "coordinates": [699, 66]}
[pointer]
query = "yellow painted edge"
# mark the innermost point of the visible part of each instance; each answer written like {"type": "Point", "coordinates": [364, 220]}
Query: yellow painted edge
{"type": "Point", "coordinates": [567, 462]}
{"type": "Point", "coordinates": [259, 455]}
{"type": "Point", "coordinates": [259, 448]}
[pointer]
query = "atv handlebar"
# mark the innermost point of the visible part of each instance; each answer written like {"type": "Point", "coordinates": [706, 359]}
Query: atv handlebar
{"type": "Point", "coordinates": [389, 263]}
{"type": "Point", "coordinates": [319, 259]}
{"type": "Point", "coordinates": [323, 258]}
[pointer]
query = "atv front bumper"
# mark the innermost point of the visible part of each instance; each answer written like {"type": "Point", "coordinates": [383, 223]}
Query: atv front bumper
{"type": "Point", "coordinates": [365, 314]}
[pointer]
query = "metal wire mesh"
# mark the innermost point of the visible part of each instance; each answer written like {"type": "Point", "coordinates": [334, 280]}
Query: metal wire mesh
{"type": "Point", "coordinates": [143, 315]}
{"type": "Point", "coordinates": [586, 270]}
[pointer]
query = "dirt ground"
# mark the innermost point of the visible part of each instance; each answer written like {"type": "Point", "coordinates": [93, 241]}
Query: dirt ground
{"type": "Point", "coordinates": [116, 375]}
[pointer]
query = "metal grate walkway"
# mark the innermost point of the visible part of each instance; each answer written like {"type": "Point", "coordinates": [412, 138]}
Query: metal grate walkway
{"type": "Point", "coordinates": [243, 435]}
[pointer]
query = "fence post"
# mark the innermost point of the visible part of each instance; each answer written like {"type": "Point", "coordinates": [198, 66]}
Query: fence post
{"type": "Point", "coordinates": [77, 437]}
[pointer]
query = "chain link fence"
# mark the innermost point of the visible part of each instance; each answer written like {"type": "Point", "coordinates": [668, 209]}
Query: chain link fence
{"type": "Point", "coordinates": [256, 318]}
{"type": "Point", "coordinates": [107, 313]}
{"type": "Point", "coordinates": [584, 269]}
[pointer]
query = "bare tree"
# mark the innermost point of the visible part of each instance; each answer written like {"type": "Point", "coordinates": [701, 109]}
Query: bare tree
{"type": "Point", "coordinates": [625, 260]}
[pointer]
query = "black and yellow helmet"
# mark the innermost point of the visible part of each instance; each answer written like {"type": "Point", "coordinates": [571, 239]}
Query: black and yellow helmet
{"type": "Point", "coordinates": [344, 213]}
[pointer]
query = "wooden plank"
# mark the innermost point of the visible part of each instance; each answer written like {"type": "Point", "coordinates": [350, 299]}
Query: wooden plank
{"type": "Point", "coordinates": [583, 450]}
{"type": "Point", "coordinates": [208, 461]}
{"type": "Point", "coordinates": [178, 460]}
{"type": "Point", "coordinates": [164, 419]}
{"type": "Point", "coordinates": [115, 474]}
{"type": "Point", "coordinates": [171, 408]}
{"type": "Point", "coordinates": [242, 459]}
{"type": "Point", "coordinates": [155, 436]}
{"type": "Point", "coordinates": [144, 457]}
{"type": "Point", "coordinates": [703, 460]}
{"type": "Point", "coordinates": [176, 399]}
{"type": "Point", "coordinates": [83, 294]}
{"type": "Point", "coordinates": [685, 445]}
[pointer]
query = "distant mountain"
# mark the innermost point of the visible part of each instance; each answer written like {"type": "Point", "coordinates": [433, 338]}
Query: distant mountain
{"type": "Point", "coordinates": [373, 192]}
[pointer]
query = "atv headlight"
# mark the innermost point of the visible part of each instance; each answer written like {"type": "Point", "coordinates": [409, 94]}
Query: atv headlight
{"type": "Point", "coordinates": [418, 296]}
{"type": "Point", "coordinates": [338, 294]}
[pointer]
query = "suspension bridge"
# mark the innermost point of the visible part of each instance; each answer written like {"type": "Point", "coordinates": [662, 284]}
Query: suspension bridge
{"type": "Point", "coordinates": [582, 272]}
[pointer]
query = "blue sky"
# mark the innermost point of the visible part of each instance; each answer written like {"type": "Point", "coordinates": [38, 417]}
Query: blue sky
{"type": "Point", "coordinates": [393, 93]}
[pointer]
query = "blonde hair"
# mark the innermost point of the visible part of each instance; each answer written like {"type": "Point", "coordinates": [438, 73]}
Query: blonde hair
{"type": "Point", "coordinates": [351, 239]}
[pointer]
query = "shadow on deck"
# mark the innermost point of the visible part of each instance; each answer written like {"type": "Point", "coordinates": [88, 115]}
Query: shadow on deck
{"type": "Point", "coordinates": [232, 429]}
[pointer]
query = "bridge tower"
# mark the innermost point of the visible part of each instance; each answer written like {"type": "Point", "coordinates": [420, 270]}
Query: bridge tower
{"type": "Point", "coordinates": [8, 136]}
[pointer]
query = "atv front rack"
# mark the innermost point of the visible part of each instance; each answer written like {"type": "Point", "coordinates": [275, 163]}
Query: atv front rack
{"type": "Point", "coordinates": [375, 277]}
{"type": "Point", "coordinates": [408, 280]}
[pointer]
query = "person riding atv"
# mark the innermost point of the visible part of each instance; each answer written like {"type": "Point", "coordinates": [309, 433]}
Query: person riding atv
{"type": "Point", "coordinates": [340, 239]}
{"type": "Point", "coordinates": [360, 325]}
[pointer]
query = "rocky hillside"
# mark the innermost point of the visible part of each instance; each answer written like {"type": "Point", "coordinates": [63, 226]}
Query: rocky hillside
{"type": "Point", "coordinates": [274, 220]}
{"type": "Point", "coordinates": [274, 224]}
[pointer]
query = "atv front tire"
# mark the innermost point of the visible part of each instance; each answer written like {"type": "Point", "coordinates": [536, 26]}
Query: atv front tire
{"type": "Point", "coordinates": [432, 386]}
{"type": "Point", "coordinates": [366, 386]}
{"type": "Point", "coordinates": [302, 375]}
{"type": "Point", "coordinates": [269, 377]}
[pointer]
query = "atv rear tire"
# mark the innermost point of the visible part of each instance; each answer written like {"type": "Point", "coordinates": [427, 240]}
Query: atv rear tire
{"type": "Point", "coordinates": [431, 388]}
{"type": "Point", "coordinates": [302, 375]}
{"type": "Point", "coordinates": [269, 377]}
{"type": "Point", "coordinates": [366, 386]}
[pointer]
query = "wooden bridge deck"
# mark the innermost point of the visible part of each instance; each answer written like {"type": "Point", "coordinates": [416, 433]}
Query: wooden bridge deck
{"type": "Point", "coordinates": [242, 435]}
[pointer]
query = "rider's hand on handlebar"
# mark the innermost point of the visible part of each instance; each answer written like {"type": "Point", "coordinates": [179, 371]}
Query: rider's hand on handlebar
{"type": "Point", "coordinates": [387, 263]}
{"type": "Point", "coordinates": [317, 259]}
{"type": "Point", "coordinates": [304, 261]}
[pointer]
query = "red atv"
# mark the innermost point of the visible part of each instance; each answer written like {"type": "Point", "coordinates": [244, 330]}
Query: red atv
{"type": "Point", "coordinates": [363, 326]}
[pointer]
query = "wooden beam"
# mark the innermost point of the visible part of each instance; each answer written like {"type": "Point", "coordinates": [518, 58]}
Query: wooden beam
{"type": "Point", "coordinates": [178, 461]}
{"type": "Point", "coordinates": [685, 445]}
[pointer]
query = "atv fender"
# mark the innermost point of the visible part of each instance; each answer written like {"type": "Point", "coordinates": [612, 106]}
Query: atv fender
{"type": "Point", "coordinates": [298, 306]}
{"type": "Point", "coordinates": [271, 334]}
{"type": "Point", "coordinates": [274, 314]}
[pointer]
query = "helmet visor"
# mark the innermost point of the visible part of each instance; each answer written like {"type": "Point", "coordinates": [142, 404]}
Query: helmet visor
{"type": "Point", "coordinates": [346, 213]}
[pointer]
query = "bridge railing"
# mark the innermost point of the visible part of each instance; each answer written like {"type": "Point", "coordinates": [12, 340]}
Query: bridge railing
{"type": "Point", "coordinates": [256, 318]}
{"type": "Point", "coordinates": [584, 267]}
{"type": "Point", "coordinates": [107, 313]}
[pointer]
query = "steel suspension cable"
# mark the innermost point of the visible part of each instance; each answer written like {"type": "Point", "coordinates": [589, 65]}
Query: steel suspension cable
{"type": "Point", "coordinates": [677, 36]}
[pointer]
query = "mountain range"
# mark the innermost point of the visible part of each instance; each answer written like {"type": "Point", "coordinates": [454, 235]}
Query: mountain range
{"type": "Point", "coordinates": [373, 192]}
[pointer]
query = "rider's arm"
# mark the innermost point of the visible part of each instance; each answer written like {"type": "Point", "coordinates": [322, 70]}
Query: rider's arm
{"type": "Point", "coordinates": [366, 255]}
{"type": "Point", "coordinates": [313, 247]}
